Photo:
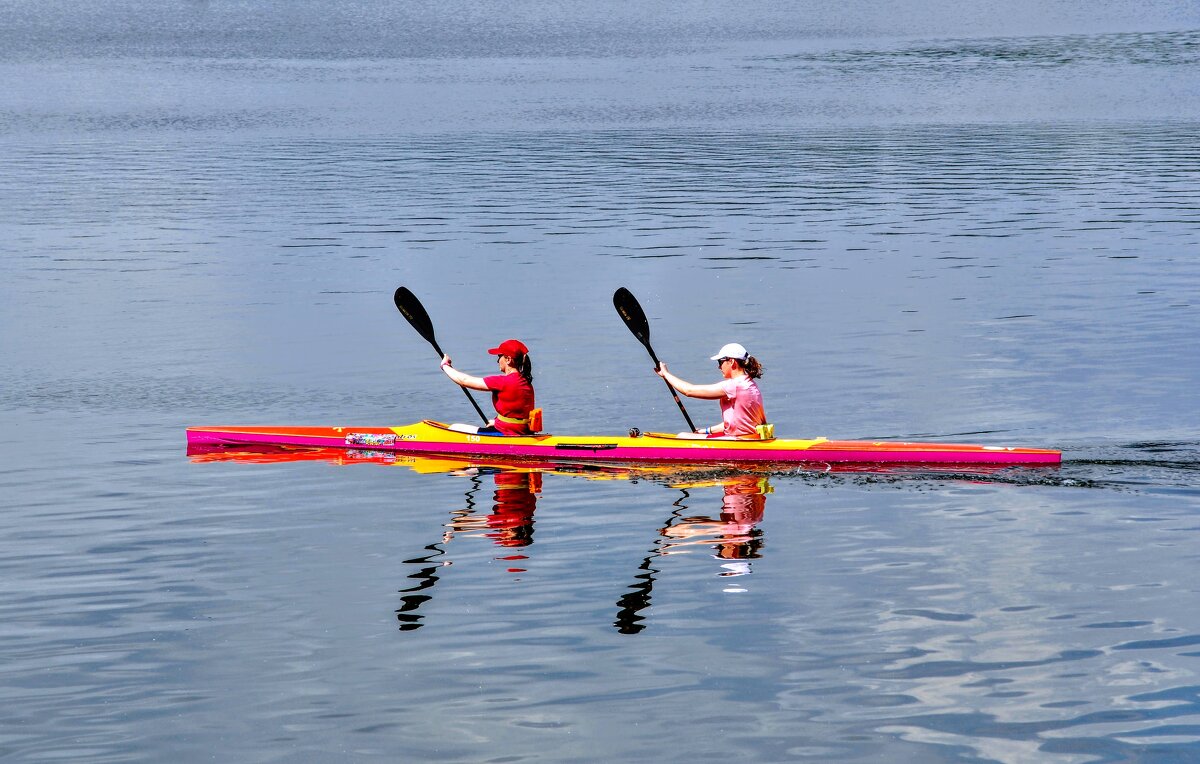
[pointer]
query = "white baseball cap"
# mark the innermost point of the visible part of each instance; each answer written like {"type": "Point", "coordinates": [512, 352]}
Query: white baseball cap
{"type": "Point", "coordinates": [732, 350]}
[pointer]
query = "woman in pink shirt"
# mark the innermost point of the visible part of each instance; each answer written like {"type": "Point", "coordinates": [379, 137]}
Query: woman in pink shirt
{"type": "Point", "coordinates": [741, 401]}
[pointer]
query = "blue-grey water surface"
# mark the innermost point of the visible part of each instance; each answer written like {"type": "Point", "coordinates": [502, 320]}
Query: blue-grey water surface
{"type": "Point", "coordinates": [947, 221]}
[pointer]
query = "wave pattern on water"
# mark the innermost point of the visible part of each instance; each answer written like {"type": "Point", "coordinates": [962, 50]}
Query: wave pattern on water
{"type": "Point", "coordinates": [1154, 49]}
{"type": "Point", "coordinates": [894, 242]}
{"type": "Point", "coordinates": [957, 221]}
{"type": "Point", "coordinates": [658, 194]}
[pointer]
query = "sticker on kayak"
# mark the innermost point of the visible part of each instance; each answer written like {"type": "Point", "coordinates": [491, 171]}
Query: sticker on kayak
{"type": "Point", "coordinates": [370, 439]}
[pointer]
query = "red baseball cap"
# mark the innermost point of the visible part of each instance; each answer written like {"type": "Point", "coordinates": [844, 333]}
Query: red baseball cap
{"type": "Point", "coordinates": [510, 348]}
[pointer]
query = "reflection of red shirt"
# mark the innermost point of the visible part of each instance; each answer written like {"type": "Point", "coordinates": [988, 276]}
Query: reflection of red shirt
{"type": "Point", "coordinates": [513, 397]}
{"type": "Point", "coordinates": [512, 515]}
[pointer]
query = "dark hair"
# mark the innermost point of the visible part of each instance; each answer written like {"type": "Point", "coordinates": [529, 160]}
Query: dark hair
{"type": "Point", "coordinates": [523, 365]}
{"type": "Point", "coordinates": [751, 366]}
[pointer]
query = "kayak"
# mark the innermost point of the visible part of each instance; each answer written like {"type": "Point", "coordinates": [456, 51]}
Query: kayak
{"type": "Point", "coordinates": [693, 475]}
{"type": "Point", "coordinates": [436, 438]}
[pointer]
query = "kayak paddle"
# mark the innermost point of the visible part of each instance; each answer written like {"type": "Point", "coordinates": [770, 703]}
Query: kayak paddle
{"type": "Point", "coordinates": [635, 318]}
{"type": "Point", "coordinates": [412, 309]}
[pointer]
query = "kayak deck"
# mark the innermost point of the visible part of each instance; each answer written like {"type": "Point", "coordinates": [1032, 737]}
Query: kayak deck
{"type": "Point", "coordinates": [430, 437]}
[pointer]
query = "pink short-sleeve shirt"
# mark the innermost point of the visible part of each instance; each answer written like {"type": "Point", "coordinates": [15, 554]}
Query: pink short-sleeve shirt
{"type": "Point", "coordinates": [741, 407]}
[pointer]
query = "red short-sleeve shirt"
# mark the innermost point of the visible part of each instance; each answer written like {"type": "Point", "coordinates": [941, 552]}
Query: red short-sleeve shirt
{"type": "Point", "coordinates": [513, 397]}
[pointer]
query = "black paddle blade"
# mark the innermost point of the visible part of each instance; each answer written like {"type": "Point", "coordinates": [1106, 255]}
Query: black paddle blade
{"type": "Point", "coordinates": [632, 314]}
{"type": "Point", "coordinates": [635, 318]}
{"type": "Point", "coordinates": [412, 310]}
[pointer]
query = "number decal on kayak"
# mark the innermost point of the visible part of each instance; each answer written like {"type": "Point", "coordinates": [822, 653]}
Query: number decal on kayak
{"type": "Point", "coordinates": [473, 439]}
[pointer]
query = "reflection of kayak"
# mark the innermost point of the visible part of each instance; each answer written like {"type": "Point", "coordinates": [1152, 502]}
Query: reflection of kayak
{"type": "Point", "coordinates": [431, 437]}
{"type": "Point", "coordinates": [424, 464]}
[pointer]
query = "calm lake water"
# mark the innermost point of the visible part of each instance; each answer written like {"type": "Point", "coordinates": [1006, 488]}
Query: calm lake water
{"type": "Point", "coordinates": [946, 221]}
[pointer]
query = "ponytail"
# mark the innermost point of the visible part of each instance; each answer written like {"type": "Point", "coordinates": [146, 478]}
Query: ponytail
{"type": "Point", "coordinates": [524, 366]}
{"type": "Point", "coordinates": [752, 367]}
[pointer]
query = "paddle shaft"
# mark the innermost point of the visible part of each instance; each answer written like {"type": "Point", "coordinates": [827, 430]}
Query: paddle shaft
{"type": "Point", "coordinates": [414, 312]}
{"type": "Point", "coordinates": [674, 394]}
{"type": "Point", "coordinates": [467, 392]}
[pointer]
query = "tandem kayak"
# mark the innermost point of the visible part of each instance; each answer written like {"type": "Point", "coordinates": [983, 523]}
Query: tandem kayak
{"type": "Point", "coordinates": [436, 438]}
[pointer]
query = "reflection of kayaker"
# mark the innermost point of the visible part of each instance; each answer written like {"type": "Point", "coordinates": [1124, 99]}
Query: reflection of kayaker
{"type": "Point", "coordinates": [744, 502]}
{"type": "Point", "coordinates": [734, 534]}
{"type": "Point", "coordinates": [510, 522]}
{"type": "Point", "coordinates": [742, 510]}
{"type": "Point", "coordinates": [512, 514]}
{"type": "Point", "coordinates": [511, 389]}
{"type": "Point", "coordinates": [741, 401]}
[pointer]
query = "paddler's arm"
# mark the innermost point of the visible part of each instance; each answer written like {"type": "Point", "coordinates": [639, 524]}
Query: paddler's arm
{"type": "Point", "coordinates": [466, 380]}
{"type": "Point", "coordinates": [709, 392]}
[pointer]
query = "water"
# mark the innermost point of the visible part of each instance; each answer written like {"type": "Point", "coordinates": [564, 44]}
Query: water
{"type": "Point", "coordinates": [943, 221]}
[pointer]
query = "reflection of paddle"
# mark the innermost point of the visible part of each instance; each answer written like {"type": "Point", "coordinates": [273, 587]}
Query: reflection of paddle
{"type": "Point", "coordinates": [427, 576]}
{"type": "Point", "coordinates": [637, 598]}
{"type": "Point", "coordinates": [412, 309]}
{"type": "Point", "coordinates": [635, 318]}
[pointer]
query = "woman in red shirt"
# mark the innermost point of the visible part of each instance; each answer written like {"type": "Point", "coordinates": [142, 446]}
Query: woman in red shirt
{"type": "Point", "coordinates": [512, 388]}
